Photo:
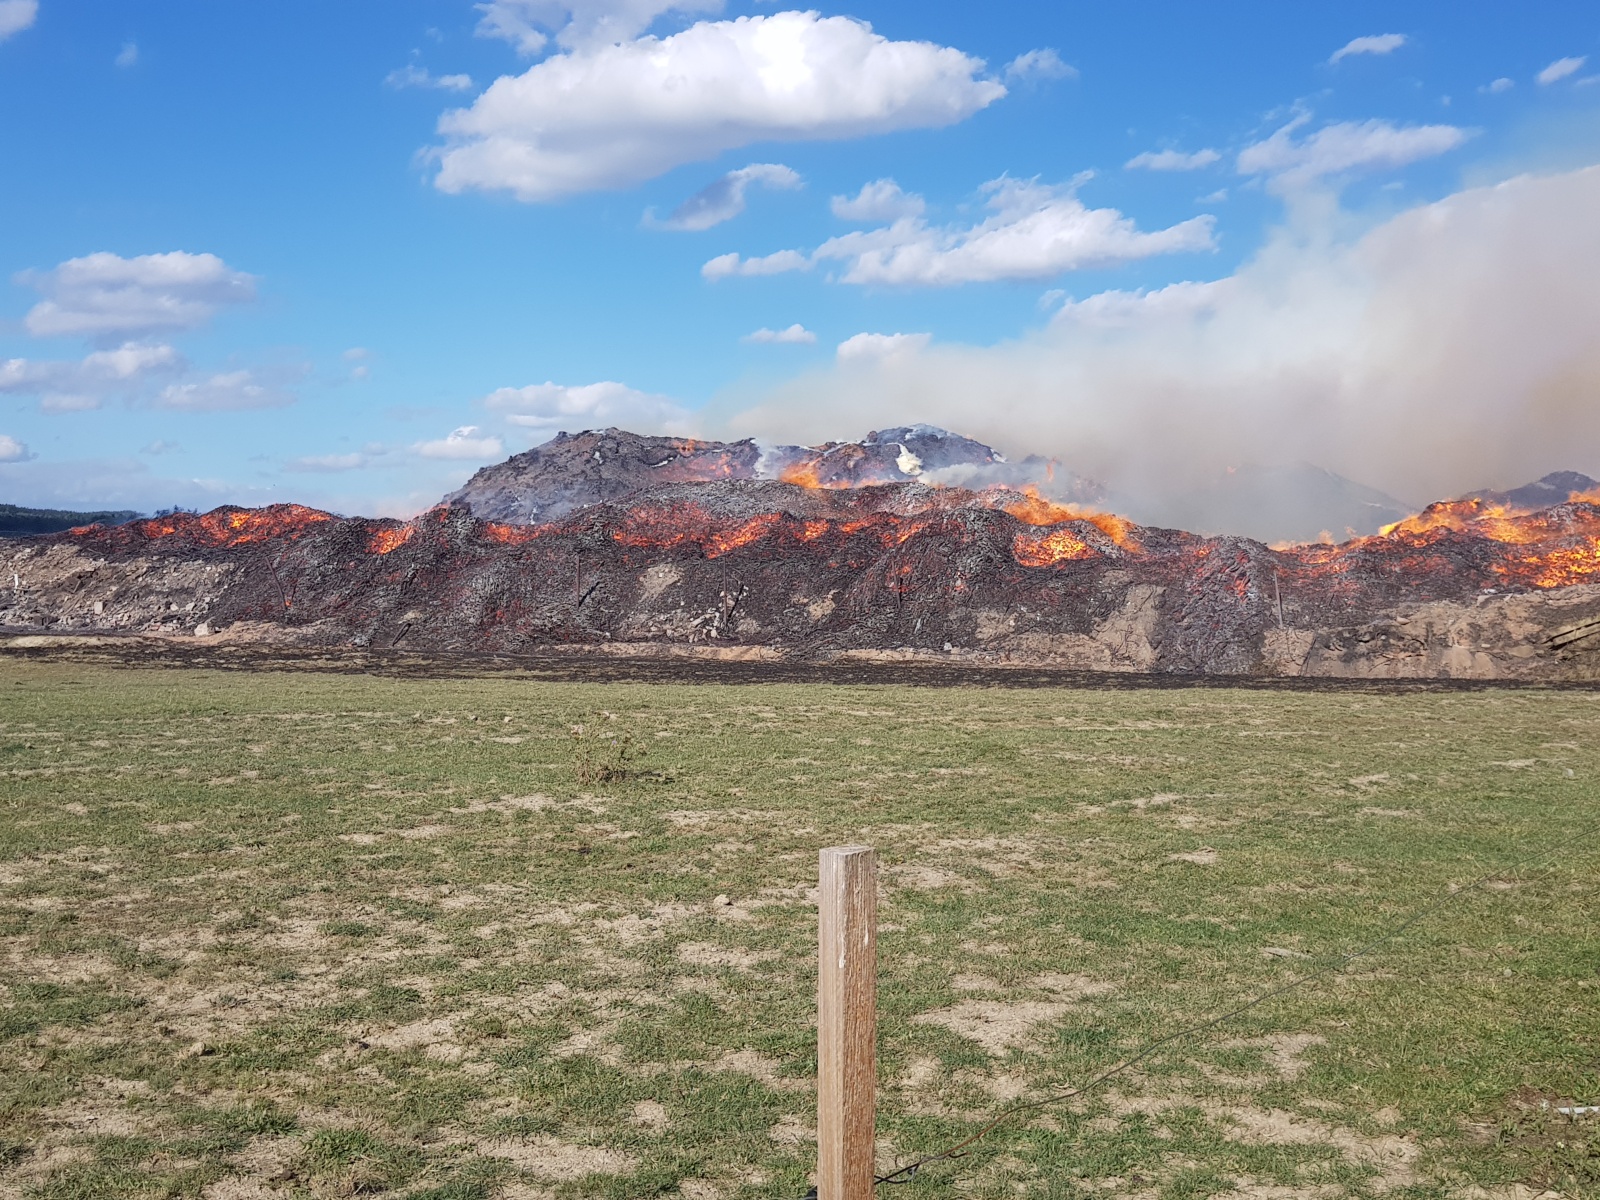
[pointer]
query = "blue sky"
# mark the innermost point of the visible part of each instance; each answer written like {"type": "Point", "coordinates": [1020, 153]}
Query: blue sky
{"type": "Point", "coordinates": [252, 255]}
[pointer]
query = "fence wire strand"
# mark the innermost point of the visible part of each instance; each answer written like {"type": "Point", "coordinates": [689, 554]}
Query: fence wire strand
{"type": "Point", "coordinates": [908, 1172]}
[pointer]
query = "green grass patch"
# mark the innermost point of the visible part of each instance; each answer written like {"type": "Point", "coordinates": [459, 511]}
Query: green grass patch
{"type": "Point", "coordinates": [366, 936]}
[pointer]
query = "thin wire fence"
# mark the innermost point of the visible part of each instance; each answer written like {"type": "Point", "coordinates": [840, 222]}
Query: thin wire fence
{"type": "Point", "coordinates": [1330, 967]}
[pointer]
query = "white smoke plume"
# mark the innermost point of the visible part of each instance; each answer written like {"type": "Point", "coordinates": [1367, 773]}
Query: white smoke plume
{"type": "Point", "coordinates": [1451, 347]}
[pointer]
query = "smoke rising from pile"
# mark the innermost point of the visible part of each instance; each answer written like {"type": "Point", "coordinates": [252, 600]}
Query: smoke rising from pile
{"type": "Point", "coordinates": [1451, 347]}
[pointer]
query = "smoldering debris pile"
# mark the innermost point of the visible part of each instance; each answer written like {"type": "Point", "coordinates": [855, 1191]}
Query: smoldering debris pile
{"type": "Point", "coordinates": [573, 471]}
{"type": "Point", "coordinates": [612, 542]}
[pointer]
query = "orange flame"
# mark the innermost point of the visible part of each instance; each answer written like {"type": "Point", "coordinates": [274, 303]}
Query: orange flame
{"type": "Point", "coordinates": [1493, 521]}
{"type": "Point", "coordinates": [1549, 548]}
{"type": "Point", "coordinates": [804, 474]}
{"type": "Point", "coordinates": [1034, 509]}
{"type": "Point", "coordinates": [1558, 568]}
{"type": "Point", "coordinates": [1049, 549]}
{"type": "Point", "coordinates": [383, 541]}
{"type": "Point", "coordinates": [222, 526]}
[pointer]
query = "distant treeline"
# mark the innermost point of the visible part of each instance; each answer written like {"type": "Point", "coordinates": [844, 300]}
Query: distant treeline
{"type": "Point", "coordinates": [16, 521]}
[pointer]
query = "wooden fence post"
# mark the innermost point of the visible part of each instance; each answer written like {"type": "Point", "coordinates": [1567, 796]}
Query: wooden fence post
{"type": "Point", "coordinates": [847, 1022]}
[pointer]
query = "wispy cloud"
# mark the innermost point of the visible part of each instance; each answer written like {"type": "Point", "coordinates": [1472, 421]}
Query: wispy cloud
{"type": "Point", "coordinates": [17, 15]}
{"type": "Point", "coordinates": [577, 24]}
{"type": "Point", "coordinates": [725, 199]}
{"type": "Point", "coordinates": [465, 442]}
{"type": "Point", "coordinates": [1172, 160]}
{"type": "Point", "coordinates": [1378, 43]}
{"type": "Point", "coordinates": [1035, 231]}
{"type": "Point", "coordinates": [877, 347]}
{"type": "Point", "coordinates": [1344, 147]}
{"type": "Point", "coordinates": [1560, 69]}
{"type": "Point", "coordinates": [327, 463]}
{"type": "Point", "coordinates": [552, 406]}
{"type": "Point", "coordinates": [725, 266]}
{"type": "Point", "coordinates": [413, 76]}
{"type": "Point", "coordinates": [880, 200]}
{"type": "Point", "coordinates": [795, 335]}
{"type": "Point", "coordinates": [85, 384]}
{"type": "Point", "coordinates": [225, 391]}
{"type": "Point", "coordinates": [106, 296]}
{"type": "Point", "coordinates": [1035, 66]}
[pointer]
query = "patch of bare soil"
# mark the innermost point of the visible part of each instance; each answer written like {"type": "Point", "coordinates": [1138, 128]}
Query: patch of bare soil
{"type": "Point", "coordinates": [549, 1158]}
{"type": "Point", "coordinates": [1392, 1157]}
{"type": "Point", "coordinates": [1000, 1026]}
{"type": "Point", "coordinates": [1283, 1052]}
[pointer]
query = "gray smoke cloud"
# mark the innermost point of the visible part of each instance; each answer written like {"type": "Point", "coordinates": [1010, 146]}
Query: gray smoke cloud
{"type": "Point", "coordinates": [1451, 347]}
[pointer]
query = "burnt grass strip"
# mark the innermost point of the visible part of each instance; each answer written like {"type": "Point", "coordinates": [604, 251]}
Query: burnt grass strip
{"type": "Point", "coordinates": [580, 666]}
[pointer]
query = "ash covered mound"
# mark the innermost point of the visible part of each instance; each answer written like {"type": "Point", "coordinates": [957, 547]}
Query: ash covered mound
{"type": "Point", "coordinates": [573, 471]}
{"type": "Point", "coordinates": [737, 564]}
{"type": "Point", "coordinates": [1554, 488]}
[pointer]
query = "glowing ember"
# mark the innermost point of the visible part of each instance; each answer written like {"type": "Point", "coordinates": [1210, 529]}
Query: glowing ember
{"type": "Point", "coordinates": [221, 526]}
{"type": "Point", "coordinates": [1491, 521]}
{"type": "Point", "coordinates": [385, 541]}
{"type": "Point", "coordinates": [1557, 568]}
{"type": "Point", "coordinates": [723, 541]}
{"type": "Point", "coordinates": [511, 535]}
{"type": "Point", "coordinates": [1544, 549]}
{"type": "Point", "coordinates": [1050, 549]}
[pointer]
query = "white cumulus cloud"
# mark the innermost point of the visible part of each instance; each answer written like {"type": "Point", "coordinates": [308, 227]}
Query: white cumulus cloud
{"type": "Point", "coordinates": [104, 295]}
{"type": "Point", "coordinates": [411, 75]}
{"type": "Point", "coordinates": [12, 450]}
{"type": "Point", "coordinates": [529, 24]}
{"type": "Point", "coordinates": [17, 15]}
{"type": "Point", "coordinates": [614, 115]}
{"type": "Point", "coordinates": [468, 441]}
{"type": "Point", "coordinates": [79, 386]}
{"type": "Point", "coordinates": [1036, 65]}
{"type": "Point", "coordinates": [1342, 147]}
{"type": "Point", "coordinates": [795, 335]}
{"type": "Point", "coordinates": [880, 200]}
{"type": "Point", "coordinates": [553, 406]}
{"type": "Point", "coordinates": [131, 360]}
{"type": "Point", "coordinates": [1036, 231]}
{"type": "Point", "coordinates": [226, 391]}
{"type": "Point", "coordinates": [876, 347]}
{"type": "Point", "coordinates": [725, 265]}
{"type": "Point", "coordinates": [1495, 86]}
{"type": "Point", "coordinates": [1172, 160]}
{"type": "Point", "coordinates": [1560, 69]}
{"type": "Point", "coordinates": [1378, 43]}
{"type": "Point", "coordinates": [724, 199]}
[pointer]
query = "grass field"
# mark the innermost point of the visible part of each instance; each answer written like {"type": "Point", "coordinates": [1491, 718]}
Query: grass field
{"type": "Point", "coordinates": [298, 934]}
